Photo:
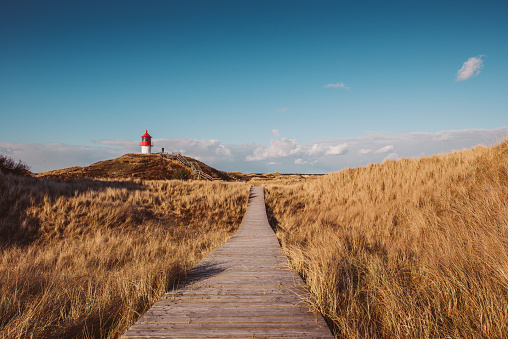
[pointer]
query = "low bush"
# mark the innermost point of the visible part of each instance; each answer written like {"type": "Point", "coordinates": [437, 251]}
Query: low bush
{"type": "Point", "coordinates": [9, 166]}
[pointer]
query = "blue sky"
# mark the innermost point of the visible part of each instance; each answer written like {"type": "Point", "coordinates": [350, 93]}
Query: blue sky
{"type": "Point", "coordinates": [251, 85]}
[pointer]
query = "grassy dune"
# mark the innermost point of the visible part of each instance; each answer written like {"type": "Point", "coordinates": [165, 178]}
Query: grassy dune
{"type": "Point", "coordinates": [84, 258]}
{"type": "Point", "coordinates": [410, 248]}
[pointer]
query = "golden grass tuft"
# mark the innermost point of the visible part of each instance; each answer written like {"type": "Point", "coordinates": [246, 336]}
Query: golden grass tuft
{"type": "Point", "coordinates": [405, 249]}
{"type": "Point", "coordinates": [85, 258]}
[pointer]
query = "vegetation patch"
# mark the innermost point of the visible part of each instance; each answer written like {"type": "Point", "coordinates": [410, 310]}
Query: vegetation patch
{"type": "Point", "coordinates": [182, 174]}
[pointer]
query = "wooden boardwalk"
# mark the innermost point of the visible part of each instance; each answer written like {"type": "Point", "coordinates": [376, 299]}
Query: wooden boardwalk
{"type": "Point", "coordinates": [243, 289]}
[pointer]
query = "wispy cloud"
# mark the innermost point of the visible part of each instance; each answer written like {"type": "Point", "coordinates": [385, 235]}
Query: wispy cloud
{"type": "Point", "coordinates": [337, 85]}
{"type": "Point", "coordinates": [282, 109]}
{"type": "Point", "coordinates": [385, 149]}
{"type": "Point", "coordinates": [470, 68]}
{"type": "Point", "coordinates": [276, 133]}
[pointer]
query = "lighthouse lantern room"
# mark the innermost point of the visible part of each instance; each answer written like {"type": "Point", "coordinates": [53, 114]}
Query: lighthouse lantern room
{"type": "Point", "coordinates": [146, 143]}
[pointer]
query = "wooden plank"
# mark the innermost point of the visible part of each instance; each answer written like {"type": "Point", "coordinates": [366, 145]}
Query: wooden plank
{"type": "Point", "coordinates": [243, 289]}
{"type": "Point", "coordinates": [262, 318]}
{"type": "Point", "coordinates": [228, 326]}
{"type": "Point", "coordinates": [226, 333]}
{"type": "Point", "coordinates": [232, 292]}
{"type": "Point", "coordinates": [249, 336]}
{"type": "Point", "coordinates": [250, 298]}
{"type": "Point", "coordinates": [272, 312]}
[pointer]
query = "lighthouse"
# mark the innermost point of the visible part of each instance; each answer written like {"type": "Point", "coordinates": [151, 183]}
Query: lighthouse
{"type": "Point", "coordinates": [146, 143]}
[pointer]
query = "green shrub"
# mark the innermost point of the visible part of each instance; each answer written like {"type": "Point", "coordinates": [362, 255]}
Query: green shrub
{"type": "Point", "coordinates": [181, 174]}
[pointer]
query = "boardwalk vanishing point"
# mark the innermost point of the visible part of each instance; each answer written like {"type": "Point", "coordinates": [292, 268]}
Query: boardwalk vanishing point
{"type": "Point", "coordinates": [243, 289]}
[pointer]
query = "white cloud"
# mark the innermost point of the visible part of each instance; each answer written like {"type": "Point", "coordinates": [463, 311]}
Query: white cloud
{"type": "Point", "coordinates": [336, 149]}
{"type": "Point", "coordinates": [317, 150]}
{"type": "Point", "coordinates": [276, 133]}
{"type": "Point", "coordinates": [223, 151]}
{"type": "Point", "coordinates": [300, 161]}
{"type": "Point", "coordinates": [282, 109]}
{"type": "Point", "coordinates": [385, 149]}
{"type": "Point", "coordinates": [365, 151]}
{"type": "Point", "coordinates": [470, 68]}
{"type": "Point", "coordinates": [324, 148]}
{"type": "Point", "coordinates": [337, 85]}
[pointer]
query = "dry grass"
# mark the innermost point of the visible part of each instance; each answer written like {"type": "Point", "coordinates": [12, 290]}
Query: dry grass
{"type": "Point", "coordinates": [85, 258]}
{"type": "Point", "coordinates": [272, 178]}
{"type": "Point", "coordinates": [405, 249]}
{"type": "Point", "coordinates": [282, 179]}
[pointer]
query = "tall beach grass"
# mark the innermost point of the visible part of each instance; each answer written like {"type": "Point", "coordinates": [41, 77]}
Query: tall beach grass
{"type": "Point", "coordinates": [415, 248]}
{"type": "Point", "coordinates": [84, 258]}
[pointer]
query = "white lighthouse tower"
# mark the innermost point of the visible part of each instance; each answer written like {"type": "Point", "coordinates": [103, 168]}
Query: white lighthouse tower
{"type": "Point", "coordinates": [146, 143]}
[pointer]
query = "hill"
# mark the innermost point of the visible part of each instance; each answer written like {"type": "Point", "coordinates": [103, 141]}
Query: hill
{"type": "Point", "coordinates": [141, 166]}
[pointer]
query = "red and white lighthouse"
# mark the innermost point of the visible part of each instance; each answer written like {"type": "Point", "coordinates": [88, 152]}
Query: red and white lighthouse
{"type": "Point", "coordinates": [146, 143]}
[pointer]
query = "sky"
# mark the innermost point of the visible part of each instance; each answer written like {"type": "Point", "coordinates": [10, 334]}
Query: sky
{"type": "Point", "coordinates": [251, 85]}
